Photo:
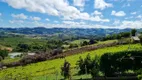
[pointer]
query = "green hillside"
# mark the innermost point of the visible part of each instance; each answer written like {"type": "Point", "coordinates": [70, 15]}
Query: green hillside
{"type": "Point", "coordinates": [49, 69]}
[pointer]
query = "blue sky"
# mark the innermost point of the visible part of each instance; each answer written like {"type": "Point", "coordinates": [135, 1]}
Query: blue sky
{"type": "Point", "coordinates": [71, 13]}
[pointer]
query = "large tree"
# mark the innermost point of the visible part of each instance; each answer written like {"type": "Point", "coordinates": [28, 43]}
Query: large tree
{"type": "Point", "coordinates": [133, 32]}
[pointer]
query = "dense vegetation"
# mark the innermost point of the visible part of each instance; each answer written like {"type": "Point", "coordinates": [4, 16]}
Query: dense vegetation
{"type": "Point", "coordinates": [93, 53]}
{"type": "Point", "coordinates": [3, 54]}
{"type": "Point", "coordinates": [51, 67]}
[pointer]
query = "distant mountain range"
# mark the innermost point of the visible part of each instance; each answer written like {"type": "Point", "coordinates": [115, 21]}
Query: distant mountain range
{"type": "Point", "coordinates": [64, 31]}
{"type": "Point", "coordinates": [42, 30]}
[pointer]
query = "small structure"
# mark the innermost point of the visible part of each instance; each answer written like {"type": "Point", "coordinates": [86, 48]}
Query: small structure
{"type": "Point", "coordinates": [15, 54]}
{"type": "Point", "coordinates": [135, 39]}
{"type": "Point", "coordinates": [31, 54]}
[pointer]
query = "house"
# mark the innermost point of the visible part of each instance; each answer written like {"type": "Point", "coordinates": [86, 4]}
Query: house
{"type": "Point", "coordinates": [135, 39]}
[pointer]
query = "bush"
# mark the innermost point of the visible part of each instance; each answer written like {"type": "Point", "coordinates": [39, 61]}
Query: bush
{"type": "Point", "coordinates": [92, 41]}
{"type": "Point", "coordinates": [73, 46]}
{"type": "Point", "coordinates": [120, 62]}
{"type": "Point", "coordinates": [3, 53]}
{"type": "Point", "coordinates": [81, 65]}
{"type": "Point", "coordinates": [95, 67]}
{"type": "Point", "coordinates": [23, 47]}
{"type": "Point", "coordinates": [84, 43]}
{"type": "Point", "coordinates": [65, 70]}
{"type": "Point", "coordinates": [140, 39]}
{"type": "Point", "coordinates": [56, 51]}
{"type": "Point", "coordinates": [85, 65]}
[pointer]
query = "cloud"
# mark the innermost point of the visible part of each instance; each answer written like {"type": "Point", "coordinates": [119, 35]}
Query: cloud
{"type": "Point", "coordinates": [129, 17]}
{"type": "Point", "coordinates": [101, 4]}
{"type": "Point", "coordinates": [119, 14]}
{"type": "Point", "coordinates": [35, 18]}
{"type": "Point", "coordinates": [0, 14]}
{"type": "Point", "coordinates": [19, 16]}
{"type": "Point", "coordinates": [51, 7]}
{"type": "Point", "coordinates": [133, 13]}
{"type": "Point", "coordinates": [58, 8]}
{"type": "Point", "coordinates": [47, 19]}
{"type": "Point", "coordinates": [73, 23]}
{"type": "Point", "coordinates": [139, 17]}
{"type": "Point", "coordinates": [126, 5]}
{"type": "Point", "coordinates": [131, 24]}
{"type": "Point", "coordinates": [96, 13]}
{"type": "Point", "coordinates": [116, 22]}
{"type": "Point", "coordinates": [56, 21]}
{"type": "Point", "coordinates": [79, 3]}
{"type": "Point", "coordinates": [98, 19]}
{"type": "Point", "coordinates": [16, 21]}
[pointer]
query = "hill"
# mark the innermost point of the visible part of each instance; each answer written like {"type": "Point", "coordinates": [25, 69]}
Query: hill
{"type": "Point", "coordinates": [48, 69]}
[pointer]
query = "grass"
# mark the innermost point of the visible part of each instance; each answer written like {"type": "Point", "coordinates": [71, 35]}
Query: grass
{"type": "Point", "coordinates": [79, 41]}
{"type": "Point", "coordinates": [50, 67]}
{"type": "Point", "coordinates": [14, 41]}
{"type": "Point", "coordinates": [9, 60]}
{"type": "Point", "coordinates": [108, 41]}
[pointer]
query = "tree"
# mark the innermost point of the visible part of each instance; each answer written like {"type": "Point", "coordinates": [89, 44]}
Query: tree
{"type": "Point", "coordinates": [23, 47]}
{"type": "Point", "coordinates": [92, 41]}
{"type": "Point", "coordinates": [65, 70]}
{"type": "Point", "coordinates": [53, 44]}
{"type": "Point", "coordinates": [81, 65]}
{"type": "Point", "coordinates": [140, 39]}
{"type": "Point", "coordinates": [3, 53]}
{"type": "Point", "coordinates": [84, 43]}
{"type": "Point", "coordinates": [133, 32]}
{"type": "Point", "coordinates": [95, 67]}
{"type": "Point", "coordinates": [88, 63]}
{"type": "Point", "coordinates": [73, 46]}
{"type": "Point", "coordinates": [85, 65]}
{"type": "Point", "coordinates": [105, 64]}
{"type": "Point", "coordinates": [1, 58]}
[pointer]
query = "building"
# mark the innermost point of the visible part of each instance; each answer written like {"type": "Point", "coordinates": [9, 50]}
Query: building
{"type": "Point", "coordinates": [135, 39]}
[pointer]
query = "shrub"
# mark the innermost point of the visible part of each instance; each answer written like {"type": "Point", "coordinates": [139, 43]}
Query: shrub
{"type": "Point", "coordinates": [140, 39]}
{"type": "Point", "coordinates": [120, 62]}
{"type": "Point", "coordinates": [3, 53]}
{"type": "Point", "coordinates": [84, 43]}
{"type": "Point", "coordinates": [95, 67]}
{"type": "Point", "coordinates": [23, 47]}
{"type": "Point", "coordinates": [81, 65]}
{"type": "Point", "coordinates": [65, 70]}
{"type": "Point", "coordinates": [73, 46]}
{"type": "Point", "coordinates": [85, 65]}
{"type": "Point", "coordinates": [92, 41]}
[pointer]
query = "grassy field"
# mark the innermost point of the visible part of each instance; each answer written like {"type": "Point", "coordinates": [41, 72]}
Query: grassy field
{"type": "Point", "coordinates": [14, 41]}
{"type": "Point", "coordinates": [51, 68]}
{"type": "Point", "coordinates": [79, 41]}
{"type": "Point", "coordinates": [9, 60]}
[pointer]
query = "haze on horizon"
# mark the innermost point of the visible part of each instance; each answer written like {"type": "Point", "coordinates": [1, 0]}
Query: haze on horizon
{"type": "Point", "coordinates": [71, 13]}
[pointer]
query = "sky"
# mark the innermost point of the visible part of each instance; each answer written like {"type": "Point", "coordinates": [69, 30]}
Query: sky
{"type": "Point", "coordinates": [71, 13]}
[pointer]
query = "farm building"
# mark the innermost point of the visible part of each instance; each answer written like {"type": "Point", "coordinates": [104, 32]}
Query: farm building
{"type": "Point", "coordinates": [135, 39]}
